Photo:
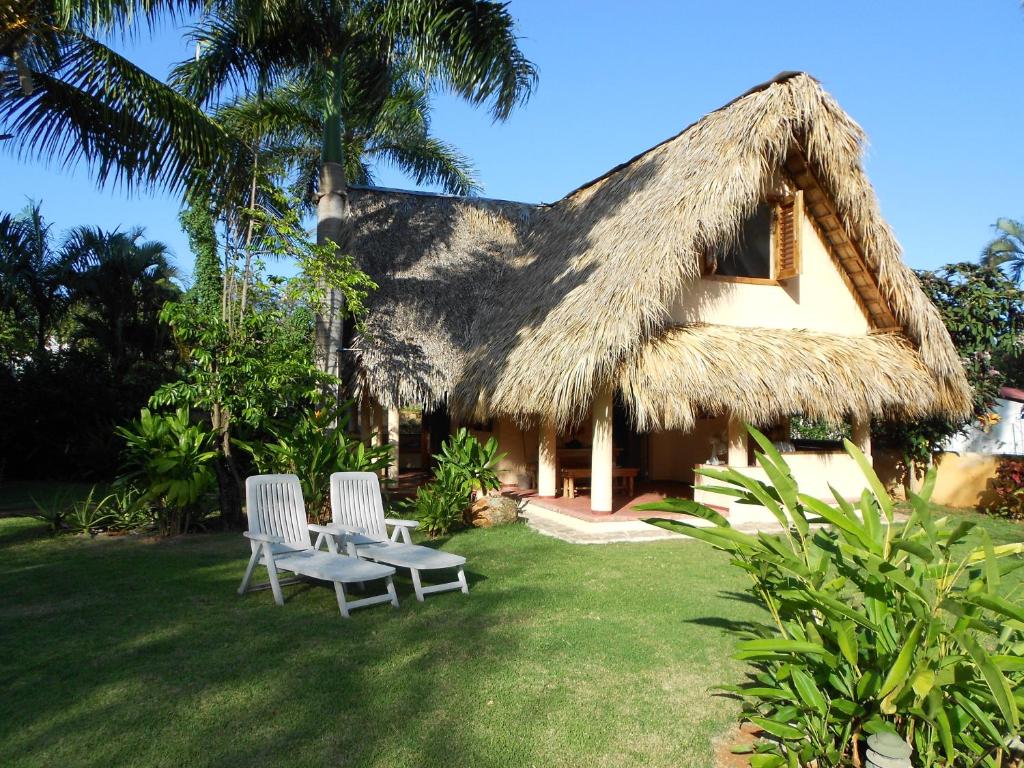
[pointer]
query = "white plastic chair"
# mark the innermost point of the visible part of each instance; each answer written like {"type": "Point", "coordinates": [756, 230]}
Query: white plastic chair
{"type": "Point", "coordinates": [357, 512]}
{"type": "Point", "coordinates": [279, 536]}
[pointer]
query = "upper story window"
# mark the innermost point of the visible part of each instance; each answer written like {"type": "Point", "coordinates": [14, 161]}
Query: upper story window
{"type": "Point", "coordinates": [768, 248]}
{"type": "Point", "coordinates": [751, 255]}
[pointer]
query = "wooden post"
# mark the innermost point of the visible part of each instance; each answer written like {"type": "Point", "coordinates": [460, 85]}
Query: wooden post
{"type": "Point", "coordinates": [376, 425]}
{"type": "Point", "coordinates": [737, 442]}
{"type": "Point", "coordinates": [547, 460]}
{"type": "Point", "coordinates": [602, 453]}
{"type": "Point", "coordinates": [365, 419]}
{"type": "Point", "coordinates": [393, 424]}
{"type": "Point", "coordinates": [860, 434]}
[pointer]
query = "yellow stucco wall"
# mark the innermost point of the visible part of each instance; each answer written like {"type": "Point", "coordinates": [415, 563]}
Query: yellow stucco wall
{"type": "Point", "coordinates": [962, 480]}
{"type": "Point", "coordinates": [673, 454]}
{"type": "Point", "coordinates": [819, 299]}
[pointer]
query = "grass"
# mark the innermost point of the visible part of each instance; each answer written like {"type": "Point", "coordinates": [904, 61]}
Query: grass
{"type": "Point", "coordinates": [129, 651]}
{"type": "Point", "coordinates": [134, 652]}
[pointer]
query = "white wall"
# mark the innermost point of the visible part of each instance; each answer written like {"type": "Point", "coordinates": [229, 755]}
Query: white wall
{"type": "Point", "coordinates": [1004, 438]}
{"type": "Point", "coordinates": [819, 299]}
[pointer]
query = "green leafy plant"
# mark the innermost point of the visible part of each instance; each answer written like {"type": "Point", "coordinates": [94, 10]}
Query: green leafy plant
{"type": "Point", "coordinates": [312, 447]}
{"type": "Point", "coordinates": [88, 515]}
{"type": "Point", "coordinates": [169, 459]}
{"type": "Point", "coordinates": [440, 504]}
{"type": "Point", "coordinates": [1007, 490]}
{"type": "Point", "coordinates": [464, 455]}
{"type": "Point", "coordinates": [876, 623]}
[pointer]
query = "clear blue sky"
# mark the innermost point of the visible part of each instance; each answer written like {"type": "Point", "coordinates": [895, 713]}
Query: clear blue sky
{"type": "Point", "coordinates": [935, 84]}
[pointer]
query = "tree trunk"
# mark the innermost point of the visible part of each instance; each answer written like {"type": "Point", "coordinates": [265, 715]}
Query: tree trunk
{"type": "Point", "coordinates": [229, 482]}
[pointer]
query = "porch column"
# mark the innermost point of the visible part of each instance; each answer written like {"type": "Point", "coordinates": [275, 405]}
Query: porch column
{"type": "Point", "coordinates": [547, 460]}
{"type": "Point", "coordinates": [602, 454]}
{"type": "Point", "coordinates": [860, 434]}
{"type": "Point", "coordinates": [376, 425]}
{"type": "Point", "coordinates": [737, 442]}
{"type": "Point", "coordinates": [393, 422]}
{"type": "Point", "coordinates": [365, 419]}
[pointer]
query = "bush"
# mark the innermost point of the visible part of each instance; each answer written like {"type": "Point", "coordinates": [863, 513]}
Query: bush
{"type": "Point", "coordinates": [312, 447]}
{"type": "Point", "coordinates": [121, 510]}
{"type": "Point", "coordinates": [876, 625]}
{"type": "Point", "coordinates": [464, 467]}
{"type": "Point", "coordinates": [1008, 490]}
{"type": "Point", "coordinates": [169, 459]}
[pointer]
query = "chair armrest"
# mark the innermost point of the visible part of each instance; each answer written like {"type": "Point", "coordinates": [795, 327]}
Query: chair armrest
{"type": "Point", "coordinates": [266, 538]}
{"type": "Point", "coordinates": [401, 528]}
{"type": "Point", "coordinates": [333, 529]}
{"type": "Point", "coordinates": [410, 524]}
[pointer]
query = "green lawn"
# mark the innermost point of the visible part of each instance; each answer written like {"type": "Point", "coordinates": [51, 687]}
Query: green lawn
{"type": "Point", "coordinates": [138, 652]}
{"type": "Point", "coordinates": [131, 652]}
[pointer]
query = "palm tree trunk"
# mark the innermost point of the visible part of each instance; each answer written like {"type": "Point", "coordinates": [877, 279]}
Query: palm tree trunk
{"type": "Point", "coordinates": [332, 226]}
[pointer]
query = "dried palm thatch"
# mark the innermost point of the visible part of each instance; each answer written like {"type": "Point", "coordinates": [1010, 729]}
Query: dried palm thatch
{"type": "Point", "coordinates": [762, 375]}
{"type": "Point", "coordinates": [437, 260]}
{"type": "Point", "coordinates": [527, 311]}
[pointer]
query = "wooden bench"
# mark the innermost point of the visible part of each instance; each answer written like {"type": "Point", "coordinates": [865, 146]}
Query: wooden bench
{"type": "Point", "coordinates": [623, 479]}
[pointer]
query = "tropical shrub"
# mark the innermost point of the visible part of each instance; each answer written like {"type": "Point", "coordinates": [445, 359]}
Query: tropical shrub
{"type": "Point", "coordinates": [1008, 490]}
{"type": "Point", "coordinates": [439, 505]}
{"type": "Point", "coordinates": [169, 459]}
{"type": "Point", "coordinates": [313, 446]}
{"type": "Point", "coordinates": [875, 624]}
{"type": "Point", "coordinates": [123, 509]}
{"type": "Point", "coordinates": [465, 456]}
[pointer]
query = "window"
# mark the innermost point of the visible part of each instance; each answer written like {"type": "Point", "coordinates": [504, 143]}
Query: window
{"type": "Point", "coordinates": [751, 255]}
{"type": "Point", "coordinates": [769, 244]}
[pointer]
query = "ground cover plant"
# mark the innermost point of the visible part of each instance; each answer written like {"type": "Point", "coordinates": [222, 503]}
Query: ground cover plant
{"type": "Point", "coordinates": [877, 624]}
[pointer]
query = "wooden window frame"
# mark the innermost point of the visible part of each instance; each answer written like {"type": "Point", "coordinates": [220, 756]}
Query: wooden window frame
{"type": "Point", "coordinates": [797, 202]}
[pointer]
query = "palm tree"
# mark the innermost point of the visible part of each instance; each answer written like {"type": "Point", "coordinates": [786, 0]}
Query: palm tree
{"type": "Point", "coordinates": [32, 274]}
{"type": "Point", "coordinates": [349, 52]}
{"type": "Point", "coordinates": [66, 97]}
{"type": "Point", "coordinates": [1007, 248]}
{"type": "Point", "coordinates": [287, 127]}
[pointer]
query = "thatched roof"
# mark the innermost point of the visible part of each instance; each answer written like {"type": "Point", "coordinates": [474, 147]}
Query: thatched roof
{"type": "Point", "coordinates": [525, 311]}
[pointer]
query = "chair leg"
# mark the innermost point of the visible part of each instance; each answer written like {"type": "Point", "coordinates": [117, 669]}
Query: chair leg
{"type": "Point", "coordinates": [275, 584]}
{"type": "Point", "coordinates": [391, 591]}
{"type": "Point", "coordinates": [416, 584]}
{"type": "Point", "coordinates": [249, 571]}
{"type": "Point", "coordinates": [462, 580]}
{"type": "Point", "coordinates": [339, 590]}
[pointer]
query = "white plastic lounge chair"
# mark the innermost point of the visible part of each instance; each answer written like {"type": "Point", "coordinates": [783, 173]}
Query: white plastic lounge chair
{"type": "Point", "coordinates": [279, 536]}
{"type": "Point", "coordinates": [357, 508]}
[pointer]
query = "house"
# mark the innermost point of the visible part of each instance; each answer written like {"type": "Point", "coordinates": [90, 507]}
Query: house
{"type": "Point", "coordinates": [740, 271]}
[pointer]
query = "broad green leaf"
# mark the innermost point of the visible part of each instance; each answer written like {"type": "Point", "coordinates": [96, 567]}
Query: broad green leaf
{"type": "Point", "coordinates": [897, 675]}
{"type": "Point", "coordinates": [808, 692]}
{"type": "Point", "coordinates": [999, 605]}
{"type": "Point", "coordinates": [846, 639]}
{"type": "Point", "coordinates": [781, 646]}
{"type": "Point", "coordinates": [994, 679]}
{"type": "Point", "coordinates": [914, 548]}
{"type": "Point", "coordinates": [781, 730]}
{"type": "Point", "coordinates": [884, 501]}
{"type": "Point", "coordinates": [687, 507]}
{"type": "Point", "coordinates": [978, 716]}
{"type": "Point", "coordinates": [767, 761]}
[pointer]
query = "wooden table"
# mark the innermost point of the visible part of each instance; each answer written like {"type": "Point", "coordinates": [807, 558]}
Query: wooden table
{"type": "Point", "coordinates": [624, 478]}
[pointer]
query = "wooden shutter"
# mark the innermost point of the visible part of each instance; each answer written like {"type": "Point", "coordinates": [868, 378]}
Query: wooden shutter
{"type": "Point", "coordinates": [788, 215]}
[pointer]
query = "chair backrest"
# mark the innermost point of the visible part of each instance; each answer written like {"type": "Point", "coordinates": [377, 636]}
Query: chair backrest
{"type": "Point", "coordinates": [356, 502]}
{"type": "Point", "coordinates": [274, 505]}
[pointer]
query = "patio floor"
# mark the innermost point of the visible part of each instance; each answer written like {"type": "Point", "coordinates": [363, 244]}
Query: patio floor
{"type": "Point", "coordinates": [623, 507]}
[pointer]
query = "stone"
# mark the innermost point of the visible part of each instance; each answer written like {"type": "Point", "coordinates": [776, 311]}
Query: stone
{"type": "Point", "coordinates": [493, 510]}
{"type": "Point", "coordinates": [888, 744]}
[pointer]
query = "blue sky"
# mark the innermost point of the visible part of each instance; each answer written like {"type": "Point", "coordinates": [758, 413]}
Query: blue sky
{"type": "Point", "coordinates": [935, 84]}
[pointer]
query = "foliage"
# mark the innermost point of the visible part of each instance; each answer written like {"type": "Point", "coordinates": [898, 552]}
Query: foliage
{"type": "Point", "coordinates": [1006, 249]}
{"type": "Point", "coordinates": [312, 446]}
{"type": "Point", "coordinates": [65, 97]}
{"type": "Point", "coordinates": [123, 509]}
{"type": "Point", "coordinates": [169, 459]}
{"type": "Point", "coordinates": [464, 467]}
{"type": "Point", "coordinates": [983, 310]}
{"type": "Point", "coordinates": [1007, 490]}
{"type": "Point", "coordinates": [82, 345]}
{"type": "Point", "coordinates": [808, 429]}
{"type": "Point", "coordinates": [476, 464]}
{"type": "Point", "coordinates": [876, 624]}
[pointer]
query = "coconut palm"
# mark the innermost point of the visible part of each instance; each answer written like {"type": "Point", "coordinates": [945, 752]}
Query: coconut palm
{"type": "Point", "coordinates": [1007, 248]}
{"type": "Point", "coordinates": [349, 51]}
{"type": "Point", "coordinates": [66, 97]}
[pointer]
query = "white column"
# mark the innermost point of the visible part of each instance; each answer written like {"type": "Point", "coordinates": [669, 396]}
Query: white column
{"type": "Point", "coordinates": [547, 460]}
{"type": "Point", "coordinates": [602, 454]}
{"type": "Point", "coordinates": [860, 434]}
{"type": "Point", "coordinates": [737, 442]}
{"type": "Point", "coordinates": [393, 422]}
